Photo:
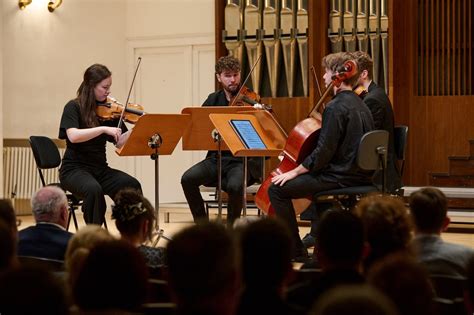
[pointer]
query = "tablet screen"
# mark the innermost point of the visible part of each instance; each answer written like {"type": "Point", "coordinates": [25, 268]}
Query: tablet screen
{"type": "Point", "coordinates": [247, 134]}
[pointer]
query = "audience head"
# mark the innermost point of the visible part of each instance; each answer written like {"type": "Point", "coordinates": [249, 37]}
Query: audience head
{"type": "Point", "coordinates": [134, 215]}
{"type": "Point", "coordinates": [203, 269]}
{"type": "Point", "coordinates": [49, 204]}
{"type": "Point", "coordinates": [7, 247]}
{"type": "Point", "coordinates": [113, 277]}
{"type": "Point", "coordinates": [31, 291]}
{"type": "Point", "coordinates": [340, 240]}
{"type": "Point", "coordinates": [387, 225]}
{"type": "Point", "coordinates": [353, 300]}
{"type": "Point", "coordinates": [429, 207]}
{"type": "Point", "coordinates": [7, 214]}
{"type": "Point", "coordinates": [405, 282]}
{"type": "Point", "coordinates": [80, 245]}
{"type": "Point", "coordinates": [470, 284]}
{"type": "Point", "coordinates": [8, 235]}
{"type": "Point", "coordinates": [266, 240]}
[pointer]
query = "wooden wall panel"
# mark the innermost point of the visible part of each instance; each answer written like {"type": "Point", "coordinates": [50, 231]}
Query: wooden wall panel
{"type": "Point", "coordinates": [440, 126]}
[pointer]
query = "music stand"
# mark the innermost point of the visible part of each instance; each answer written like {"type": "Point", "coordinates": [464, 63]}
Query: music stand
{"type": "Point", "coordinates": [269, 130]}
{"type": "Point", "coordinates": [201, 136]}
{"type": "Point", "coordinates": [155, 135]}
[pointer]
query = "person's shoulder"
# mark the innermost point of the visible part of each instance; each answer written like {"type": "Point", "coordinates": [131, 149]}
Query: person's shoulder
{"type": "Point", "coordinates": [27, 230]}
{"type": "Point", "coordinates": [71, 105]}
{"type": "Point", "coordinates": [214, 98]}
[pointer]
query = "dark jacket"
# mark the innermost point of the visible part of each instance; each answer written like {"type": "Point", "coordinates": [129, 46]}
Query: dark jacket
{"type": "Point", "coordinates": [379, 105]}
{"type": "Point", "coordinates": [43, 240]}
{"type": "Point", "coordinates": [345, 120]}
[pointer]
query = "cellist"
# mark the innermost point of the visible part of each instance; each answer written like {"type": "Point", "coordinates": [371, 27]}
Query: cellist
{"type": "Point", "coordinates": [333, 163]}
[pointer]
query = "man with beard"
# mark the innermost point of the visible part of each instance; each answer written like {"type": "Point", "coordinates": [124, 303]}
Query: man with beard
{"type": "Point", "coordinates": [205, 172]}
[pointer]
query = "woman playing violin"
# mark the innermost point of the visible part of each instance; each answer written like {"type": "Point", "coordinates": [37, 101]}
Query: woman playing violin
{"type": "Point", "coordinates": [84, 170]}
{"type": "Point", "coordinates": [333, 163]}
{"type": "Point", "coordinates": [205, 172]}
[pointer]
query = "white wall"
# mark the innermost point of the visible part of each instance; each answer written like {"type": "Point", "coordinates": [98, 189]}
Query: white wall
{"type": "Point", "coordinates": [45, 54]}
{"type": "Point", "coordinates": [169, 17]}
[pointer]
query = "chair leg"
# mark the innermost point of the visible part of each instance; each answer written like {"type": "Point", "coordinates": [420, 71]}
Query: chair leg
{"type": "Point", "coordinates": [73, 214]}
{"type": "Point", "coordinates": [68, 220]}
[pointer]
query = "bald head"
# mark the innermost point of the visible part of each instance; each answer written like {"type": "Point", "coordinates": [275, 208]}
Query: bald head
{"type": "Point", "coordinates": [49, 204]}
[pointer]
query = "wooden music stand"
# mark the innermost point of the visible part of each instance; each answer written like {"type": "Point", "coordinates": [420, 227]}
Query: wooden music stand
{"type": "Point", "coordinates": [269, 130]}
{"type": "Point", "coordinates": [198, 136]}
{"type": "Point", "coordinates": [155, 135]}
{"type": "Point", "coordinates": [202, 136]}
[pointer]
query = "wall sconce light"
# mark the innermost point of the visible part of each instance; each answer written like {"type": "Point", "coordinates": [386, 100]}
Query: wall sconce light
{"type": "Point", "coordinates": [23, 3]}
{"type": "Point", "coordinates": [53, 5]}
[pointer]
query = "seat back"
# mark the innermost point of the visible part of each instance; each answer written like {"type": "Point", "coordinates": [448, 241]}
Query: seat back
{"type": "Point", "coordinates": [449, 294]}
{"type": "Point", "coordinates": [48, 264]}
{"type": "Point", "coordinates": [400, 134]}
{"type": "Point", "coordinates": [46, 154]}
{"type": "Point", "coordinates": [372, 145]}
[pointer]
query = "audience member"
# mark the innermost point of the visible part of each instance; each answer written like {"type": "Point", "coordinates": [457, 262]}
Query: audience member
{"type": "Point", "coordinates": [354, 300]}
{"type": "Point", "coordinates": [429, 212]}
{"type": "Point", "coordinates": [79, 247]}
{"type": "Point", "coordinates": [135, 219]}
{"type": "Point", "coordinates": [340, 248]}
{"type": "Point", "coordinates": [113, 278]}
{"type": "Point", "coordinates": [30, 291]}
{"type": "Point", "coordinates": [203, 270]}
{"type": "Point", "coordinates": [405, 282]}
{"type": "Point", "coordinates": [8, 235]}
{"type": "Point", "coordinates": [7, 213]}
{"type": "Point", "coordinates": [8, 257]}
{"type": "Point", "coordinates": [266, 251]}
{"type": "Point", "coordinates": [470, 287]}
{"type": "Point", "coordinates": [48, 238]}
{"type": "Point", "coordinates": [387, 226]}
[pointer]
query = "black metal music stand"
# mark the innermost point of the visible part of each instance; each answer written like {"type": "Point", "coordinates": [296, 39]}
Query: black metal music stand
{"type": "Point", "coordinates": [155, 135]}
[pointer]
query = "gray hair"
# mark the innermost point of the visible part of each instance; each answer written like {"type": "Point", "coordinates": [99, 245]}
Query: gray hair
{"type": "Point", "coordinates": [47, 202]}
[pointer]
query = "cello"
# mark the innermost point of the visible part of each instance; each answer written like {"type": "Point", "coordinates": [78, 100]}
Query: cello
{"type": "Point", "coordinates": [301, 141]}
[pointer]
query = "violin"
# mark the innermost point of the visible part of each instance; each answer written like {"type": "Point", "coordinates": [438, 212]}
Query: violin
{"type": "Point", "coordinates": [301, 141]}
{"type": "Point", "coordinates": [112, 109]}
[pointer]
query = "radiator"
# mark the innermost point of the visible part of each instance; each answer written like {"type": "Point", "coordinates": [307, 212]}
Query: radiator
{"type": "Point", "coordinates": [21, 178]}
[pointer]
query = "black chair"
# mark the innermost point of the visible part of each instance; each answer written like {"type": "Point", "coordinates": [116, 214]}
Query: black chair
{"type": "Point", "coordinates": [371, 156]}
{"type": "Point", "coordinates": [449, 294]}
{"type": "Point", "coordinates": [47, 156]}
{"type": "Point", "coordinates": [400, 134]}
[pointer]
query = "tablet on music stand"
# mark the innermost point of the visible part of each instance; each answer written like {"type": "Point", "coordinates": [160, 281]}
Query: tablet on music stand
{"type": "Point", "coordinates": [247, 133]}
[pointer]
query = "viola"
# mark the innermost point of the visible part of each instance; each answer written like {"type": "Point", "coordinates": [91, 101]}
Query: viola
{"type": "Point", "coordinates": [301, 141]}
{"type": "Point", "coordinates": [112, 109]}
{"type": "Point", "coordinates": [360, 90]}
{"type": "Point", "coordinates": [245, 97]}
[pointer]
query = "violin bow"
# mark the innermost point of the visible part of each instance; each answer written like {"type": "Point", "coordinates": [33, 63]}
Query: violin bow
{"type": "Point", "coordinates": [245, 81]}
{"type": "Point", "coordinates": [129, 93]}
